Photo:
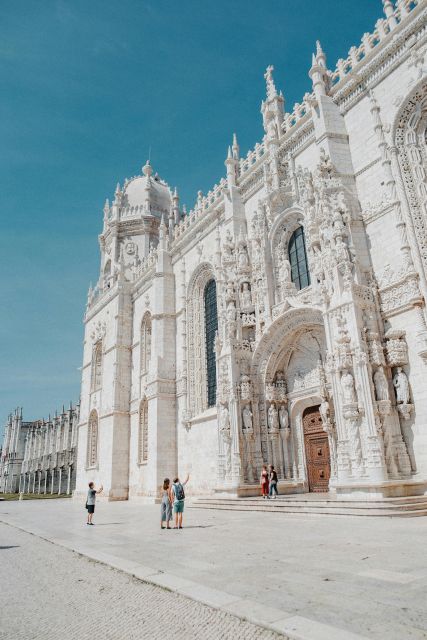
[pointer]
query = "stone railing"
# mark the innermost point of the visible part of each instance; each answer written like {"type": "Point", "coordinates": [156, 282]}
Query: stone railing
{"type": "Point", "coordinates": [203, 206]}
{"type": "Point", "coordinates": [146, 264]}
{"type": "Point", "coordinates": [252, 157]}
{"type": "Point", "coordinates": [298, 112]}
{"type": "Point", "coordinates": [383, 27]}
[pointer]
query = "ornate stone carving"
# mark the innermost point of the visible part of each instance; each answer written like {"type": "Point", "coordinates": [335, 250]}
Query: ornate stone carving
{"type": "Point", "coordinates": [245, 387]}
{"type": "Point", "coordinates": [283, 417]}
{"type": "Point", "coordinates": [401, 385]}
{"type": "Point", "coordinates": [247, 419]}
{"type": "Point", "coordinates": [347, 386]}
{"type": "Point", "coordinates": [99, 331]}
{"type": "Point", "coordinates": [396, 347]}
{"type": "Point", "coordinates": [273, 419]}
{"type": "Point", "coordinates": [381, 384]}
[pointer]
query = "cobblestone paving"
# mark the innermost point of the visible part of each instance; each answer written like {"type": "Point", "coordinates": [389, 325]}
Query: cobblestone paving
{"type": "Point", "coordinates": [48, 592]}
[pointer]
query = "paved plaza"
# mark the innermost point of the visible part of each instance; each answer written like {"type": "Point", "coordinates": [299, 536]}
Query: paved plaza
{"type": "Point", "coordinates": [311, 578]}
{"type": "Point", "coordinates": [86, 599]}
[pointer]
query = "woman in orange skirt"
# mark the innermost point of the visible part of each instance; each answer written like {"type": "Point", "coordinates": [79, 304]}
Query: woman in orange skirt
{"type": "Point", "coordinates": [264, 482]}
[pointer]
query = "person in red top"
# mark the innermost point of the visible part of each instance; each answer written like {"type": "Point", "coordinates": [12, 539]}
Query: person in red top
{"type": "Point", "coordinates": [264, 482]}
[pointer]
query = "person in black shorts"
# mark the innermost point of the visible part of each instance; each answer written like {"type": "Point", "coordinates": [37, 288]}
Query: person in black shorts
{"type": "Point", "coordinates": [90, 501]}
{"type": "Point", "coordinates": [273, 483]}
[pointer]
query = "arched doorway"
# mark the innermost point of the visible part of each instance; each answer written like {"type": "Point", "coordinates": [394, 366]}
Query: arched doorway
{"type": "Point", "coordinates": [316, 451]}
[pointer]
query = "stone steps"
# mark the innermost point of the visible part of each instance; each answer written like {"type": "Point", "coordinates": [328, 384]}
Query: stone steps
{"type": "Point", "coordinates": [411, 506]}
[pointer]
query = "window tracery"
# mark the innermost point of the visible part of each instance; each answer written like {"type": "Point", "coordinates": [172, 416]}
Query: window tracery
{"type": "Point", "coordinates": [143, 432]}
{"type": "Point", "coordinates": [96, 379]}
{"type": "Point", "coordinates": [197, 341]}
{"type": "Point", "coordinates": [92, 441]}
{"type": "Point", "coordinates": [300, 274]}
{"type": "Point", "coordinates": [145, 343]}
{"type": "Point", "coordinates": [211, 327]}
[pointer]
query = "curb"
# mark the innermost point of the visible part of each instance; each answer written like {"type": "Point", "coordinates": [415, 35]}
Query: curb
{"type": "Point", "coordinates": [289, 626]}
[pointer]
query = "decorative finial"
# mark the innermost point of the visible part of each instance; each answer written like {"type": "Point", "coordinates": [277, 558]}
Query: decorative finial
{"type": "Point", "coordinates": [147, 169]}
{"type": "Point", "coordinates": [271, 87]}
{"type": "Point", "coordinates": [235, 147]}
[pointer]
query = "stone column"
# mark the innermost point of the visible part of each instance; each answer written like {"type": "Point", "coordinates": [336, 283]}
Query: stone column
{"type": "Point", "coordinates": [69, 480]}
{"type": "Point", "coordinates": [59, 481]}
{"type": "Point", "coordinates": [34, 482]}
{"type": "Point", "coordinates": [52, 478]}
{"type": "Point", "coordinates": [45, 481]}
{"type": "Point", "coordinates": [40, 477]}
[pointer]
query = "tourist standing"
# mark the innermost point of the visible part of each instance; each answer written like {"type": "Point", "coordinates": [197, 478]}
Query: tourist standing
{"type": "Point", "coordinates": [273, 483]}
{"type": "Point", "coordinates": [90, 501]}
{"type": "Point", "coordinates": [178, 494]}
{"type": "Point", "coordinates": [264, 482]}
{"type": "Point", "coordinates": [166, 506]}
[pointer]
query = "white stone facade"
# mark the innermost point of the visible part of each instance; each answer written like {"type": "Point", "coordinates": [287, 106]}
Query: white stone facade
{"type": "Point", "coordinates": [346, 170]}
{"type": "Point", "coordinates": [40, 456]}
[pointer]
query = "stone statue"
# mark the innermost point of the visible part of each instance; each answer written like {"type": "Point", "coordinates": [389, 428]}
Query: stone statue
{"type": "Point", "coordinates": [283, 417]}
{"type": "Point", "coordinates": [247, 418]}
{"type": "Point", "coordinates": [271, 129]}
{"type": "Point", "coordinates": [228, 245]}
{"type": "Point", "coordinates": [341, 249]}
{"type": "Point", "coordinates": [273, 419]}
{"type": "Point", "coordinates": [225, 432]}
{"type": "Point", "coordinates": [246, 296]}
{"type": "Point", "coordinates": [230, 290]}
{"type": "Point", "coordinates": [285, 269]}
{"type": "Point", "coordinates": [380, 383]}
{"type": "Point", "coordinates": [324, 411]}
{"type": "Point", "coordinates": [347, 386]}
{"type": "Point", "coordinates": [243, 258]}
{"type": "Point", "coordinates": [401, 385]}
{"type": "Point", "coordinates": [224, 423]}
{"type": "Point", "coordinates": [231, 311]}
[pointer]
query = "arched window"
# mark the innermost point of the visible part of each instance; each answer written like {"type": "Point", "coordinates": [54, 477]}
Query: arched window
{"type": "Point", "coordinates": [145, 343]}
{"type": "Point", "coordinates": [143, 432]}
{"type": "Point", "coordinates": [92, 440]}
{"type": "Point", "coordinates": [300, 274]}
{"type": "Point", "coordinates": [96, 366]}
{"type": "Point", "coordinates": [211, 327]}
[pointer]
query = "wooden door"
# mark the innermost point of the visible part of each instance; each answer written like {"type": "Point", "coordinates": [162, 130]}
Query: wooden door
{"type": "Point", "coordinates": [316, 451]}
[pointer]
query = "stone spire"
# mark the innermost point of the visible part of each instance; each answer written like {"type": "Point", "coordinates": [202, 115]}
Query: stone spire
{"type": "Point", "coordinates": [272, 108]}
{"type": "Point", "coordinates": [232, 163]}
{"type": "Point", "coordinates": [235, 147]}
{"type": "Point", "coordinates": [269, 81]}
{"type": "Point", "coordinates": [318, 72]}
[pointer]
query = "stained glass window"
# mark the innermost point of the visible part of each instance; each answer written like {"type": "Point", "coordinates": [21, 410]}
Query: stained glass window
{"type": "Point", "coordinates": [300, 275]}
{"type": "Point", "coordinates": [211, 327]}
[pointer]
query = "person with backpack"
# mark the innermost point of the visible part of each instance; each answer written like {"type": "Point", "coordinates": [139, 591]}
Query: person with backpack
{"type": "Point", "coordinates": [273, 483]}
{"type": "Point", "coordinates": [178, 494]}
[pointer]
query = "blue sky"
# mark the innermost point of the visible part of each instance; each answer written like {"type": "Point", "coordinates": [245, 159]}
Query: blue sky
{"type": "Point", "coordinates": [87, 88]}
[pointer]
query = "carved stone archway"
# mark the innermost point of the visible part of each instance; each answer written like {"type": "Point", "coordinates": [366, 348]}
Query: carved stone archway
{"type": "Point", "coordinates": [411, 154]}
{"type": "Point", "coordinates": [288, 375]}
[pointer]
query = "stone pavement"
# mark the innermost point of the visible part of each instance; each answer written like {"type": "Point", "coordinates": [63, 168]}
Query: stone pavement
{"type": "Point", "coordinates": [312, 578]}
{"type": "Point", "coordinates": [53, 593]}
